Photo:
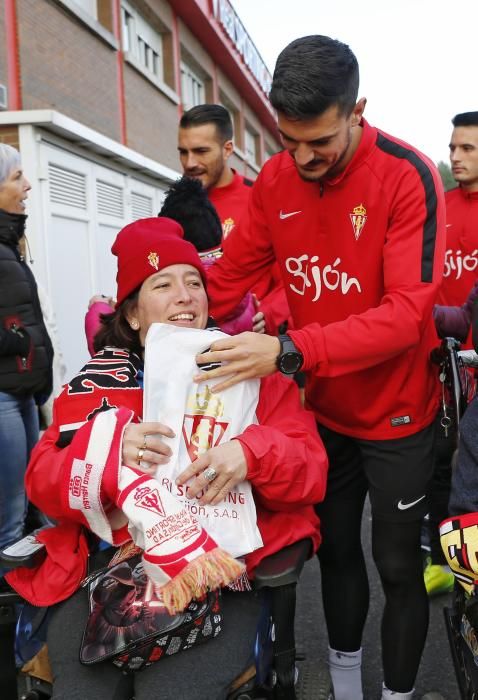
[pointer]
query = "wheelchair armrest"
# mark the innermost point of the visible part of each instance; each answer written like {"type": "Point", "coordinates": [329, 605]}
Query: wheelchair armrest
{"type": "Point", "coordinates": [27, 552]}
{"type": "Point", "coordinates": [284, 566]}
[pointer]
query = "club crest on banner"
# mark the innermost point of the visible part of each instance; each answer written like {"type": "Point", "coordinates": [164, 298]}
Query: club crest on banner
{"type": "Point", "coordinates": [202, 428]}
{"type": "Point", "coordinates": [149, 499]}
{"type": "Point", "coordinates": [358, 217]}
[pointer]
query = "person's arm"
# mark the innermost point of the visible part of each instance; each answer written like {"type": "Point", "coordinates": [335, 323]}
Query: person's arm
{"type": "Point", "coordinates": [98, 305]}
{"type": "Point", "coordinates": [50, 466]}
{"type": "Point", "coordinates": [14, 338]}
{"type": "Point", "coordinates": [287, 462]}
{"type": "Point", "coordinates": [455, 321]}
{"type": "Point", "coordinates": [247, 258]}
{"type": "Point", "coordinates": [413, 259]}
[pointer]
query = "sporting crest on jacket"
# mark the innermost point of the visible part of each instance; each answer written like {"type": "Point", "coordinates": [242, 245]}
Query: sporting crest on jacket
{"type": "Point", "coordinates": [358, 217]}
{"type": "Point", "coordinates": [227, 226]}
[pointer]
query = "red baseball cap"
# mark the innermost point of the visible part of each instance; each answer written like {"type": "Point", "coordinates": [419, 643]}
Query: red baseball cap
{"type": "Point", "coordinates": [147, 246]}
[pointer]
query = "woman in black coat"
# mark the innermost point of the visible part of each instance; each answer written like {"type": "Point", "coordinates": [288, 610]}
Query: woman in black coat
{"type": "Point", "coordinates": [26, 352]}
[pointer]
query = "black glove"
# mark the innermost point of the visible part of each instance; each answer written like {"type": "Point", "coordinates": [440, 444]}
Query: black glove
{"type": "Point", "coordinates": [16, 341]}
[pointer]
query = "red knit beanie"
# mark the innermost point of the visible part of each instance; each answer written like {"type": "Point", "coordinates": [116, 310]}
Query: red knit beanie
{"type": "Point", "coordinates": [147, 246]}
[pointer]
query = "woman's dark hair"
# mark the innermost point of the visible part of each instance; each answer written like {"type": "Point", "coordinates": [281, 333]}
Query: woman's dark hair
{"type": "Point", "coordinates": [187, 203]}
{"type": "Point", "coordinates": [115, 330]}
{"type": "Point", "coordinates": [312, 74]}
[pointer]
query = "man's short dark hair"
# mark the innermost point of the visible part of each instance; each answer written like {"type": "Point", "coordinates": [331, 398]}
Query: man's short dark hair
{"type": "Point", "coordinates": [465, 119]}
{"type": "Point", "coordinates": [209, 114]}
{"type": "Point", "coordinates": [312, 74]}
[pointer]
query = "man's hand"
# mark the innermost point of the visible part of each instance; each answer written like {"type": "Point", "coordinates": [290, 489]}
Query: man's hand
{"type": "Point", "coordinates": [244, 356]}
{"type": "Point", "coordinates": [229, 463]}
{"type": "Point", "coordinates": [258, 320]}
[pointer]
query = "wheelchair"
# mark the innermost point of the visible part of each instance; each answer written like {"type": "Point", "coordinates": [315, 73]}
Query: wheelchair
{"type": "Point", "coordinates": [279, 673]}
{"type": "Point", "coordinates": [461, 616]}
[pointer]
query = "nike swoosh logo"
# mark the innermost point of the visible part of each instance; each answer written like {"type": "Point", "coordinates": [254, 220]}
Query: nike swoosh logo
{"type": "Point", "coordinates": [405, 506]}
{"type": "Point", "coordinates": [285, 215]}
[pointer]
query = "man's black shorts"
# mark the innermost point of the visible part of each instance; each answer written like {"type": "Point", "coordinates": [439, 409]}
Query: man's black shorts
{"type": "Point", "coordinates": [395, 473]}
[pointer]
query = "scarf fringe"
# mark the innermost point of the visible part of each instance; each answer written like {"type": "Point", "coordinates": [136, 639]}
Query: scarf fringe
{"type": "Point", "coordinates": [206, 572]}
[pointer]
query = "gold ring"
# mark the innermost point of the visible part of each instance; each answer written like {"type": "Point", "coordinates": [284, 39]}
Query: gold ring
{"type": "Point", "coordinates": [144, 445]}
{"type": "Point", "coordinates": [140, 455]}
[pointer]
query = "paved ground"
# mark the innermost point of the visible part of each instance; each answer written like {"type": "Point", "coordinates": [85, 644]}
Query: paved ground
{"type": "Point", "coordinates": [436, 672]}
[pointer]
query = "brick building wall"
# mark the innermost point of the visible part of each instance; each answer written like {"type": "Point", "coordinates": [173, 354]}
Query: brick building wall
{"type": "Point", "coordinates": [65, 66]}
{"type": "Point", "coordinates": [9, 134]}
{"type": "Point", "coordinates": [151, 119]}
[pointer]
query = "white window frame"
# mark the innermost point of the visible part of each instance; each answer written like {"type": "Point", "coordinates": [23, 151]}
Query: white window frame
{"type": "Point", "coordinates": [250, 146]}
{"type": "Point", "coordinates": [142, 44]}
{"type": "Point", "coordinates": [88, 6]}
{"type": "Point", "coordinates": [193, 88]}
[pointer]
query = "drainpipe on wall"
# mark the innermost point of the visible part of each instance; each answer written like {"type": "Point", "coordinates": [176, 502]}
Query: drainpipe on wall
{"type": "Point", "coordinates": [13, 57]}
{"type": "Point", "coordinates": [119, 71]}
{"type": "Point", "coordinates": [177, 61]}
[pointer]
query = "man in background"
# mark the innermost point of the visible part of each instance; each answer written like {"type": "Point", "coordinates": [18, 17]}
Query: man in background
{"type": "Point", "coordinates": [460, 275]}
{"type": "Point", "coordinates": [205, 144]}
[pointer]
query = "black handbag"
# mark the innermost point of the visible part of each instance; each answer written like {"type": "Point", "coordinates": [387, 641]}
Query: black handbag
{"type": "Point", "coordinates": [128, 624]}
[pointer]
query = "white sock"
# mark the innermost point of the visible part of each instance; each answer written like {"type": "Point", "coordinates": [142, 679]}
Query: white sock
{"type": "Point", "coordinates": [346, 673]}
{"type": "Point", "coordinates": [393, 695]}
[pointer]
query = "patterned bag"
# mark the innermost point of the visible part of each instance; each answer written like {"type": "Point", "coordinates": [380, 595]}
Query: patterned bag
{"type": "Point", "coordinates": [129, 625]}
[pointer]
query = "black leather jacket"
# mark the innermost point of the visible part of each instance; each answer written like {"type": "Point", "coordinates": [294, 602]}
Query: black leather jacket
{"type": "Point", "coordinates": [26, 352]}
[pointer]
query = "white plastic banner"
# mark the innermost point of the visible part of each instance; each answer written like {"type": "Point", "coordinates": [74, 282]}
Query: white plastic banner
{"type": "Point", "coordinates": [200, 420]}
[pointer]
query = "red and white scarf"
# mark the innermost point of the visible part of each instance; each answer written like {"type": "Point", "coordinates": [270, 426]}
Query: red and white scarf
{"type": "Point", "coordinates": [120, 504]}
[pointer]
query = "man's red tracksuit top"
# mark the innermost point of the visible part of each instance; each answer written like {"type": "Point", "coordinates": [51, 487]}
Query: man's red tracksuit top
{"type": "Point", "coordinates": [361, 258]}
{"type": "Point", "coordinates": [461, 255]}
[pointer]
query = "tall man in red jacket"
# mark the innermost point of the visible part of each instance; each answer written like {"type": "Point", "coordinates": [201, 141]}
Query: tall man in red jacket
{"type": "Point", "coordinates": [461, 258]}
{"type": "Point", "coordinates": [205, 145]}
{"type": "Point", "coordinates": [460, 276]}
{"type": "Point", "coordinates": [355, 219]}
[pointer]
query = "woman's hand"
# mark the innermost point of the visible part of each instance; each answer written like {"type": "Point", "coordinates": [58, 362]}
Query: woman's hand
{"type": "Point", "coordinates": [226, 461]}
{"type": "Point", "coordinates": [103, 299]}
{"type": "Point", "coordinates": [142, 447]}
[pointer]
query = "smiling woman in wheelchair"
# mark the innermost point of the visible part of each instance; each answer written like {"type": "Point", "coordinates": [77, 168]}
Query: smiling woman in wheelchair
{"type": "Point", "coordinates": [97, 472]}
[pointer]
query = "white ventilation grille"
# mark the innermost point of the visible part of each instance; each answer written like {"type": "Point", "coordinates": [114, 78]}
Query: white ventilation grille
{"type": "Point", "coordinates": [67, 187]}
{"type": "Point", "coordinates": [141, 206]}
{"type": "Point", "coordinates": [109, 199]}
{"type": "Point", "coordinates": [3, 96]}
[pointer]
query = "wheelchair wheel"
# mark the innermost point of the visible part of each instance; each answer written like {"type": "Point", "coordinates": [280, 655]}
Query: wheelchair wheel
{"type": "Point", "coordinates": [314, 682]}
{"type": "Point", "coordinates": [466, 670]}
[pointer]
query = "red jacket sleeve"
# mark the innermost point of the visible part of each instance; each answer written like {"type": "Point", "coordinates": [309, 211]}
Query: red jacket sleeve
{"type": "Point", "coordinates": [44, 474]}
{"type": "Point", "coordinates": [287, 462]}
{"type": "Point", "coordinates": [245, 262]}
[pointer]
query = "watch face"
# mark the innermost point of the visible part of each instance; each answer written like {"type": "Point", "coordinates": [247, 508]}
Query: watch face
{"type": "Point", "coordinates": [290, 362]}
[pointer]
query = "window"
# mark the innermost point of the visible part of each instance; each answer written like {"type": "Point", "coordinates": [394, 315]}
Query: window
{"type": "Point", "coordinates": [141, 43]}
{"type": "Point", "coordinates": [192, 87]}
{"type": "Point", "coordinates": [269, 151]}
{"type": "Point", "coordinates": [234, 114]}
{"type": "Point", "coordinates": [251, 145]}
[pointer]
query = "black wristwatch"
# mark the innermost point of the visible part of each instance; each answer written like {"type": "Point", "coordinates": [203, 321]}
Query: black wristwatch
{"type": "Point", "coordinates": [289, 360]}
